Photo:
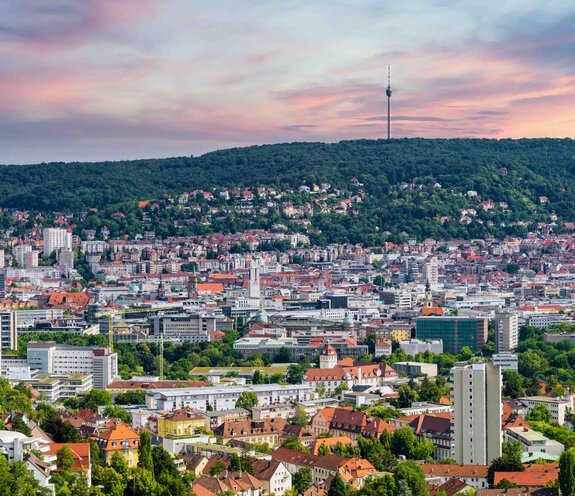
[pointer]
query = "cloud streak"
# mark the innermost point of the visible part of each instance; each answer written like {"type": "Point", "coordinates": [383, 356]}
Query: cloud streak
{"type": "Point", "coordinates": [113, 79]}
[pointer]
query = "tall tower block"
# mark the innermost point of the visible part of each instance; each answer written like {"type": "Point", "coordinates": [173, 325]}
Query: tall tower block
{"type": "Point", "coordinates": [388, 93]}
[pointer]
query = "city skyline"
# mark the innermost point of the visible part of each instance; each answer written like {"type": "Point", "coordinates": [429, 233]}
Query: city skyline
{"type": "Point", "coordinates": [110, 80]}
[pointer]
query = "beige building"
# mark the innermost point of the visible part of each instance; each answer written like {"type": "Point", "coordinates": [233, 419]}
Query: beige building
{"type": "Point", "coordinates": [477, 410]}
{"type": "Point", "coordinates": [506, 331]}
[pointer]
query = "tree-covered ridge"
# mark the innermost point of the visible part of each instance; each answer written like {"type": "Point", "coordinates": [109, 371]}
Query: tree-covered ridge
{"type": "Point", "coordinates": [413, 185]}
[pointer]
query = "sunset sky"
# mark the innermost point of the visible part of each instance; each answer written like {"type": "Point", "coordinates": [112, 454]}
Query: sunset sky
{"type": "Point", "coordinates": [113, 79]}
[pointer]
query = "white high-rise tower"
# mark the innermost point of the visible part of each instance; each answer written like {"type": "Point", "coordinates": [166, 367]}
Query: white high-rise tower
{"type": "Point", "coordinates": [254, 290]}
{"type": "Point", "coordinates": [56, 238]}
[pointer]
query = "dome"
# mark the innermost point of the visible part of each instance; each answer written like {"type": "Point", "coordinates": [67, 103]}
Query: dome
{"type": "Point", "coordinates": [262, 316]}
{"type": "Point", "coordinates": [348, 320]}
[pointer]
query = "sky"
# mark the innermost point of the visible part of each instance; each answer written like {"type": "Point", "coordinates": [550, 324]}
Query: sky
{"type": "Point", "coordinates": [90, 80]}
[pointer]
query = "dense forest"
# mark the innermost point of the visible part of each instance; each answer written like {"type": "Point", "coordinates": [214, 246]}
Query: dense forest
{"type": "Point", "coordinates": [415, 186]}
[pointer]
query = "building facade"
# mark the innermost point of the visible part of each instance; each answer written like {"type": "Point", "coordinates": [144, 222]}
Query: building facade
{"type": "Point", "coordinates": [477, 410]}
{"type": "Point", "coordinates": [454, 332]}
{"type": "Point", "coordinates": [52, 358]}
{"type": "Point", "coordinates": [506, 331]}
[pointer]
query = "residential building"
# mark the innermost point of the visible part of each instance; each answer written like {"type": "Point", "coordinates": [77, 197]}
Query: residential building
{"type": "Point", "coordinates": [8, 330]}
{"type": "Point", "coordinates": [346, 422]}
{"type": "Point", "coordinates": [455, 332]}
{"type": "Point", "coordinates": [506, 331]}
{"type": "Point", "coordinates": [477, 411]}
{"type": "Point", "coordinates": [251, 431]}
{"type": "Point", "coordinates": [435, 427]}
{"type": "Point", "coordinates": [56, 238]}
{"type": "Point", "coordinates": [383, 348]}
{"type": "Point", "coordinates": [353, 471]}
{"type": "Point", "coordinates": [239, 484]}
{"type": "Point", "coordinates": [534, 475]}
{"type": "Point", "coordinates": [180, 423]}
{"type": "Point", "coordinates": [119, 438]}
{"type": "Point", "coordinates": [218, 398]}
{"type": "Point", "coordinates": [473, 475]}
{"type": "Point", "coordinates": [274, 476]}
{"type": "Point", "coordinates": [80, 453]}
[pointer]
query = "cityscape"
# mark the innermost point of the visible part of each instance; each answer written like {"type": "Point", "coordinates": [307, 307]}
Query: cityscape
{"type": "Point", "coordinates": [262, 281]}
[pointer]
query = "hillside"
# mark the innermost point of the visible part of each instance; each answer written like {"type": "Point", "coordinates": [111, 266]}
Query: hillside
{"type": "Point", "coordinates": [413, 185]}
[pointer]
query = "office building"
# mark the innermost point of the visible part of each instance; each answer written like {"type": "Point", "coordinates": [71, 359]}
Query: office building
{"type": "Point", "coordinates": [558, 407]}
{"type": "Point", "coordinates": [193, 328]}
{"type": "Point", "coordinates": [52, 358]}
{"type": "Point", "coordinates": [506, 331]}
{"type": "Point", "coordinates": [477, 410]}
{"type": "Point", "coordinates": [56, 238]}
{"type": "Point", "coordinates": [8, 331]}
{"type": "Point", "coordinates": [454, 332]}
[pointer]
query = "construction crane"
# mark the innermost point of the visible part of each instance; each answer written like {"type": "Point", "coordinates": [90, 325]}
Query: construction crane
{"type": "Point", "coordinates": [110, 314]}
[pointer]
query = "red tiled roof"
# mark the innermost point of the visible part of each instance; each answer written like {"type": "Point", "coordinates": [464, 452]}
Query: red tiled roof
{"type": "Point", "coordinates": [444, 470]}
{"type": "Point", "coordinates": [80, 451]}
{"type": "Point", "coordinates": [534, 475]}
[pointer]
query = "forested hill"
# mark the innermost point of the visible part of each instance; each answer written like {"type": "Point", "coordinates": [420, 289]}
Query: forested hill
{"type": "Point", "coordinates": [413, 185]}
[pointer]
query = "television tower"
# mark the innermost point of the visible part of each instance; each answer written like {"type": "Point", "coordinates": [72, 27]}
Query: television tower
{"type": "Point", "coordinates": [388, 93]}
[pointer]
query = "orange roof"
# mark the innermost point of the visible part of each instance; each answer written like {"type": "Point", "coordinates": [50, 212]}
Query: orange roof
{"type": "Point", "coordinates": [80, 299]}
{"type": "Point", "coordinates": [81, 452]}
{"type": "Point", "coordinates": [210, 287]}
{"type": "Point", "coordinates": [119, 433]}
{"type": "Point", "coordinates": [330, 442]}
{"type": "Point", "coordinates": [534, 475]}
{"type": "Point", "coordinates": [432, 311]}
{"type": "Point", "coordinates": [445, 470]}
{"type": "Point", "coordinates": [356, 468]}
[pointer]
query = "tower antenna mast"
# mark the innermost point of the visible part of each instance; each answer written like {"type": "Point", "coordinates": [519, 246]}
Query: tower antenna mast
{"type": "Point", "coordinates": [388, 93]}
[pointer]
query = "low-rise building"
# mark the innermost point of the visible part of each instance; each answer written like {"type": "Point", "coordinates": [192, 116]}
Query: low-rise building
{"type": "Point", "coordinates": [473, 475]}
{"type": "Point", "coordinates": [533, 441]}
{"type": "Point", "coordinates": [224, 398]}
{"type": "Point", "coordinates": [414, 369]}
{"type": "Point", "coordinates": [251, 431]}
{"type": "Point", "coordinates": [274, 476]}
{"type": "Point", "coordinates": [383, 348]}
{"type": "Point", "coordinates": [506, 360]}
{"type": "Point", "coordinates": [180, 423]}
{"type": "Point", "coordinates": [119, 438]}
{"type": "Point", "coordinates": [415, 346]}
{"type": "Point", "coordinates": [435, 427]}
{"type": "Point", "coordinates": [346, 422]}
